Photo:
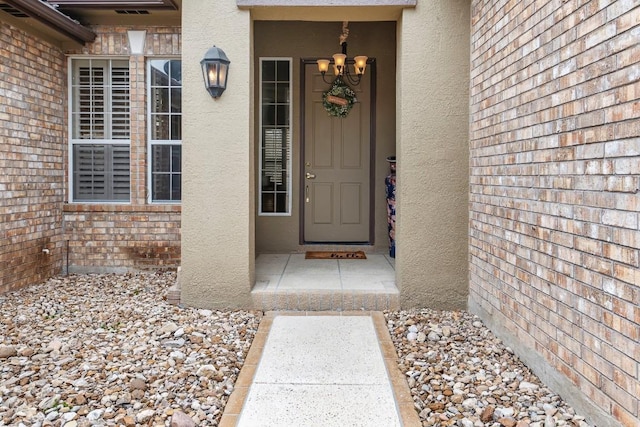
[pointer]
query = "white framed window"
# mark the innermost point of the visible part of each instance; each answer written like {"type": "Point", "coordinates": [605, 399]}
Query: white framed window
{"type": "Point", "coordinates": [275, 136]}
{"type": "Point", "coordinates": [99, 129]}
{"type": "Point", "coordinates": [165, 130]}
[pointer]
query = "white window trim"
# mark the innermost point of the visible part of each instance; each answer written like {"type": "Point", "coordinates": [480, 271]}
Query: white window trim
{"type": "Point", "coordinates": [71, 142]}
{"type": "Point", "coordinates": [260, 141]}
{"type": "Point", "coordinates": [150, 142]}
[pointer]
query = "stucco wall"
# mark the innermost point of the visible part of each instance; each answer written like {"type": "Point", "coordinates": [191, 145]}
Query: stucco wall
{"type": "Point", "coordinates": [555, 180]}
{"type": "Point", "coordinates": [431, 144]}
{"type": "Point", "coordinates": [320, 39]}
{"type": "Point", "coordinates": [218, 194]}
{"type": "Point", "coordinates": [432, 150]}
{"type": "Point", "coordinates": [32, 147]}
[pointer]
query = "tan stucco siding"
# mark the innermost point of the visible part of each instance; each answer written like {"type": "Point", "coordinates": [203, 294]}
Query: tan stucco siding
{"type": "Point", "coordinates": [431, 137]}
{"type": "Point", "coordinates": [432, 145]}
{"type": "Point", "coordinates": [217, 231]}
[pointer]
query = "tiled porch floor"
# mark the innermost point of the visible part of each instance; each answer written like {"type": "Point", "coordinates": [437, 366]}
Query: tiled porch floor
{"type": "Point", "coordinates": [291, 282]}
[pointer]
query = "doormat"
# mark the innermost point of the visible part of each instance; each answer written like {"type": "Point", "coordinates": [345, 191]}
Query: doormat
{"type": "Point", "coordinates": [335, 255]}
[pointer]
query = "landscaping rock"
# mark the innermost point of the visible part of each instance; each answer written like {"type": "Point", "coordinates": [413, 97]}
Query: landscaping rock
{"type": "Point", "coordinates": [107, 349]}
{"type": "Point", "coordinates": [463, 375]}
{"type": "Point", "coordinates": [7, 351]}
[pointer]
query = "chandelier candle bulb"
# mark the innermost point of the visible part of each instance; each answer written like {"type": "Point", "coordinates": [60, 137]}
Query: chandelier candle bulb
{"type": "Point", "coordinates": [323, 65]}
{"type": "Point", "coordinates": [339, 59]}
{"type": "Point", "coordinates": [360, 64]}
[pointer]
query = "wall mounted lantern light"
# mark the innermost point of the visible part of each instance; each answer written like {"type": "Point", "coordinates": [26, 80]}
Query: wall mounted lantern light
{"type": "Point", "coordinates": [340, 68]}
{"type": "Point", "coordinates": [215, 66]}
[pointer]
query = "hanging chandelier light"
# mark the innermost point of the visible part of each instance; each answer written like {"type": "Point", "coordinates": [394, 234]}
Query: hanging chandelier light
{"type": "Point", "coordinates": [340, 62]}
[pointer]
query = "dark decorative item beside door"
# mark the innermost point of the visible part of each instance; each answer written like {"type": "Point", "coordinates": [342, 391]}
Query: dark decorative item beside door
{"type": "Point", "coordinates": [390, 184]}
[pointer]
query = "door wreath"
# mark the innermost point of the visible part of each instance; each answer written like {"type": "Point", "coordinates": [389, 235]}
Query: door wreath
{"type": "Point", "coordinates": [339, 99]}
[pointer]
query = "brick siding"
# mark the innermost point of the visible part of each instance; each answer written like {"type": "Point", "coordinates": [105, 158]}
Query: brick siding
{"type": "Point", "coordinates": [117, 237]}
{"type": "Point", "coordinates": [32, 147]}
{"type": "Point", "coordinates": [34, 209]}
{"type": "Point", "coordinates": [554, 191]}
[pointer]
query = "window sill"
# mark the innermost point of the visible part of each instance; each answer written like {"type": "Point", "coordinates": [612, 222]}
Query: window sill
{"type": "Point", "coordinates": [103, 207]}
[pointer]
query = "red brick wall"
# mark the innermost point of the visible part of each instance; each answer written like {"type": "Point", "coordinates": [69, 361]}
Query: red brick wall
{"type": "Point", "coordinates": [32, 148]}
{"type": "Point", "coordinates": [34, 209]}
{"type": "Point", "coordinates": [554, 192]}
{"type": "Point", "coordinates": [117, 237]}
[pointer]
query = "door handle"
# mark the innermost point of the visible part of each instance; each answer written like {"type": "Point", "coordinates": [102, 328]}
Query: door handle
{"type": "Point", "coordinates": [310, 175]}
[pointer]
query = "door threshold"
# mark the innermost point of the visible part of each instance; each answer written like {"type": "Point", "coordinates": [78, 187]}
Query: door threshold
{"type": "Point", "coordinates": [339, 243]}
{"type": "Point", "coordinates": [324, 246]}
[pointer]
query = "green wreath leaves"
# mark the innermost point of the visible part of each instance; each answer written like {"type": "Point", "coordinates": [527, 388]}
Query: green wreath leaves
{"type": "Point", "coordinates": [339, 99]}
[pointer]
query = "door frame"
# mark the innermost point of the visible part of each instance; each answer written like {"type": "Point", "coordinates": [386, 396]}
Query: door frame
{"type": "Point", "coordinates": [371, 69]}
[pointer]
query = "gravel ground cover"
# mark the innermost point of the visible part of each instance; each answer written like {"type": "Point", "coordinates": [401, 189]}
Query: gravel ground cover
{"type": "Point", "coordinates": [460, 374]}
{"type": "Point", "coordinates": [108, 350]}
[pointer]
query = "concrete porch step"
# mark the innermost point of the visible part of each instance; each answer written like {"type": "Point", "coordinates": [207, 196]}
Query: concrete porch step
{"type": "Point", "coordinates": [324, 300]}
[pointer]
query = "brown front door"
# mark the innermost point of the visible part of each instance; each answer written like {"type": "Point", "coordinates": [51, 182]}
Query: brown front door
{"type": "Point", "coordinates": [336, 166]}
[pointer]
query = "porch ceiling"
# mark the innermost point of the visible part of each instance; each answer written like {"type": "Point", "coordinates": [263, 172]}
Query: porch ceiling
{"type": "Point", "coordinates": [325, 3]}
{"type": "Point", "coordinates": [326, 10]}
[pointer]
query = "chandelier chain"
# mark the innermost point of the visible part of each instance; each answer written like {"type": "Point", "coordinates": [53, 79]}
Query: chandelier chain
{"type": "Point", "coordinates": [345, 32]}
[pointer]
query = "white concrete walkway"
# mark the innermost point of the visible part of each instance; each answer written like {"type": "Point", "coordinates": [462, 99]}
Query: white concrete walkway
{"type": "Point", "coordinates": [322, 370]}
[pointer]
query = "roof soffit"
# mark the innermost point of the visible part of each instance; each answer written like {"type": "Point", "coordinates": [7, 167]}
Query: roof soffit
{"type": "Point", "coordinates": [54, 19]}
